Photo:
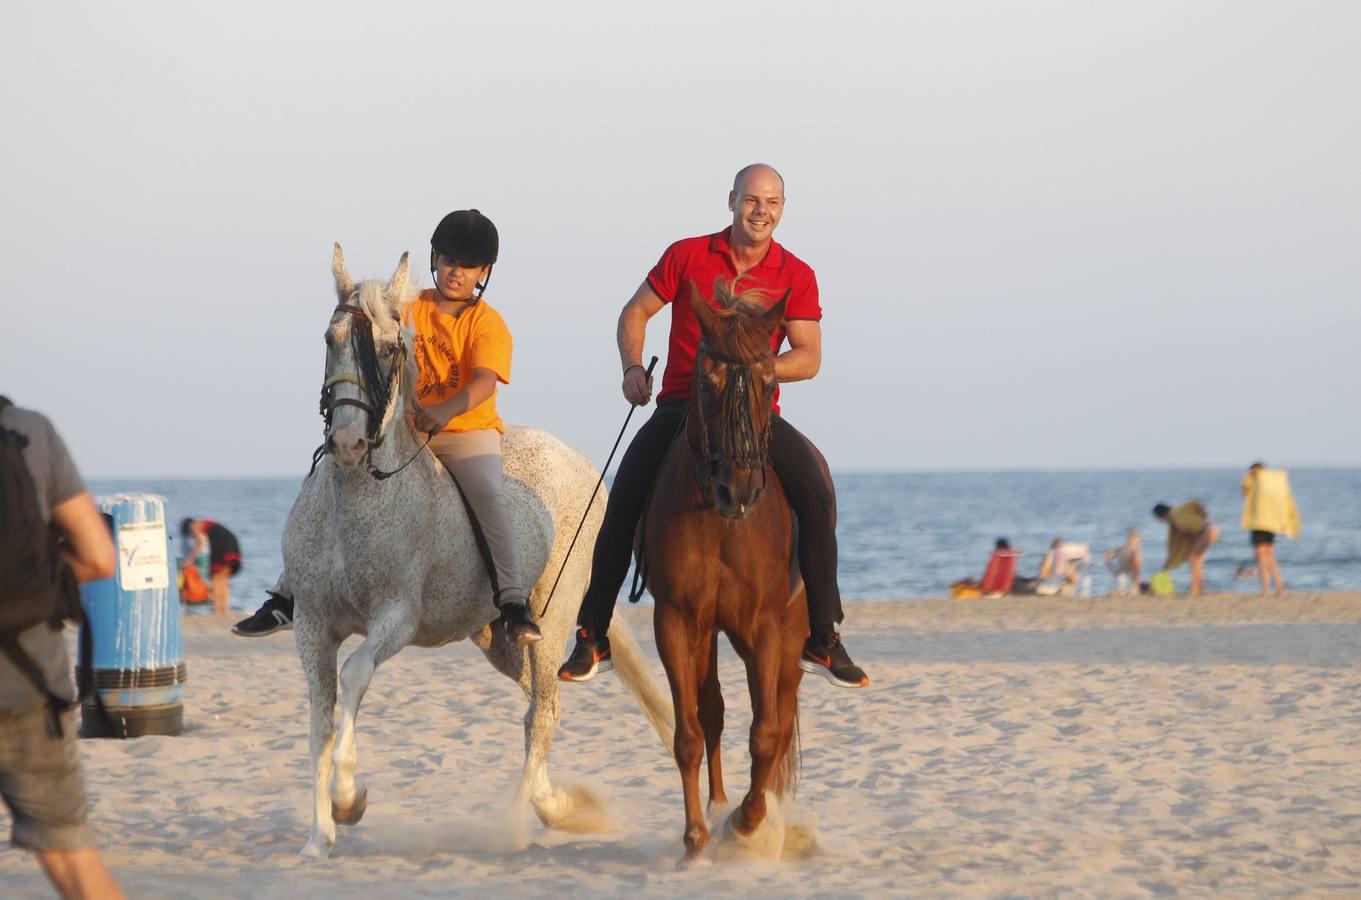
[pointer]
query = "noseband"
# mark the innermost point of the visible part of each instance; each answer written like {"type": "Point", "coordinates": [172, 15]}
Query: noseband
{"type": "Point", "coordinates": [739, 444]}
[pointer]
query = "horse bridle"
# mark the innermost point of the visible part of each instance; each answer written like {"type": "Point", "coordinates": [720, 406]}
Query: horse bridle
{"type": "Point", "coordinates": [749, 450]}
{"type": "Point", "coordinates": [329, 402]}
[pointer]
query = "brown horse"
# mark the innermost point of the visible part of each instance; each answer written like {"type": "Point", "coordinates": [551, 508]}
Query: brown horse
{"type": "Point", "coordinates": [719, 560]}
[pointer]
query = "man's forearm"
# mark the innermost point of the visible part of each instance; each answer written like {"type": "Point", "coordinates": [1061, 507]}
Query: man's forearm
{"type": "Point", "coordinates": [797, 364]}
{"type": "Point", "coordinates": [630, 335]}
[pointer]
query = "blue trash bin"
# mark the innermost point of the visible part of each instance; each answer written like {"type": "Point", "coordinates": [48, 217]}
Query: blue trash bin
{"type": "Point", "coordinates": [134, 618]}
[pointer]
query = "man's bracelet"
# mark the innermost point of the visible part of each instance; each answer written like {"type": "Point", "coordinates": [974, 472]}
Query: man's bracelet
{"type": "Point", "coordinates": [634, 366]}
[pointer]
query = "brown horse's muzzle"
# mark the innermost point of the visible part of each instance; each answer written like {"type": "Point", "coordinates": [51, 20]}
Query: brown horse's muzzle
{"type": "Point", "coordinates": [736, 490]}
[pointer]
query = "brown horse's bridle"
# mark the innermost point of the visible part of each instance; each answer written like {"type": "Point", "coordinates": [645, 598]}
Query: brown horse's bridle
{"type": "Point", "coordinates": [745, 448]}
{"type": "Point", "coordinates": [329, 402]}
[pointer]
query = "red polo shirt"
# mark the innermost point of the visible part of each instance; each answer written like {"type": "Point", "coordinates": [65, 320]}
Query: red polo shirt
{"type": "Point", "coordinates": [705, 259]}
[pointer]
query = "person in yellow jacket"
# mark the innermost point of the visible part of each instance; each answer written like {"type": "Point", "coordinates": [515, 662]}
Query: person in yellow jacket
{"type": "Point", "coordinates": [1268, 510]}
{"type": "Point", "coordinates": [1190, 535]}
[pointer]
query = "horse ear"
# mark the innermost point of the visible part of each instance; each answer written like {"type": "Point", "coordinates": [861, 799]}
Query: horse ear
{"type": "Point", "coordinates": [703, 311]}
{"type": "Point", "coordinates": [397, 284]}
{"type": "Point", "coordinates": [344, 283]}
{"type": "Point", "coordinates": [775, 315]}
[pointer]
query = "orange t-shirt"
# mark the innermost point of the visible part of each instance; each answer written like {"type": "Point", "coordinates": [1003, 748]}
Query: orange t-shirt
{"type": "Point", "coordinates": [449, 347]}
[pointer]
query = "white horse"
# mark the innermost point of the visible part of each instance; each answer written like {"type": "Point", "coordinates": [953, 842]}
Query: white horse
{"type": "Point", "coordinates": [395, 558]}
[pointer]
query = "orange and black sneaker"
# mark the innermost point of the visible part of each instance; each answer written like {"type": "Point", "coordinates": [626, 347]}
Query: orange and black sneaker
{"type": "Point", "coordinates": [829, 659]}
{"type": "Point", "coordinates": [590, 657]}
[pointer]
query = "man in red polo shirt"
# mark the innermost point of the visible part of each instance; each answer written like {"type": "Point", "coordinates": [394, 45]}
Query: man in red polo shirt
{"type": "Point", "coordinates": [745, 248]}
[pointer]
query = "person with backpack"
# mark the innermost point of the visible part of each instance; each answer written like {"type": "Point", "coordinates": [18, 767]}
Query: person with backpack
{"type": "Point", "coordinates": [51, 537]}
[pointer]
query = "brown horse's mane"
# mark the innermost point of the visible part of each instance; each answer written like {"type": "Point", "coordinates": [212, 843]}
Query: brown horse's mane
{"type": "Point", "coordinates": [747, 337]}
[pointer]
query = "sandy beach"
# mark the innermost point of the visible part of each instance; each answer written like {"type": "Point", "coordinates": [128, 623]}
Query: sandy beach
{"type": "Point", "coordinates": [1024, 747]}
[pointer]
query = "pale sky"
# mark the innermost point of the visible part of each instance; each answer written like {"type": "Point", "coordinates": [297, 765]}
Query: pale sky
{"type": "Point", "coordinates": [1047, 235]}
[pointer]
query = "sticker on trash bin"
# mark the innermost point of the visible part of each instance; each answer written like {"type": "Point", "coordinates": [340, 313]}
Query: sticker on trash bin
{"type": "Point", "coordinates": [142, 556]}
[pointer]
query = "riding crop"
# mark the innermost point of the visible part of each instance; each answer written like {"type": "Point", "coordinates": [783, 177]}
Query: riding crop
{"type": "Point", "coordinates": [601, 480]}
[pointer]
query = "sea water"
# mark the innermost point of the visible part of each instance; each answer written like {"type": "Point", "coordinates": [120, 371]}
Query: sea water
{"type": "Point", "coordinates": [911, 534]}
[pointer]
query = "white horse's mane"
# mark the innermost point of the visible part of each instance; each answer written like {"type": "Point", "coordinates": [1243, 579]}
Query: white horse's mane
{"type": "Point", "coordinates": [384, 307]}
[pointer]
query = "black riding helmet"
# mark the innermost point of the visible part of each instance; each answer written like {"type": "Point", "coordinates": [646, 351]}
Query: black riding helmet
{"type": "Point", "coordinates": [467, 237]}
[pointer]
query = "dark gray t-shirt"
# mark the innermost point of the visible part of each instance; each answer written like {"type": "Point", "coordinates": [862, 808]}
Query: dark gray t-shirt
{"type": "Point", "coordinates": [55, 477]}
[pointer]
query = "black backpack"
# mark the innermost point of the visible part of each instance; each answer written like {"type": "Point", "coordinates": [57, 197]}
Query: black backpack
{"type": "Point", "coordinates": [36, 587]}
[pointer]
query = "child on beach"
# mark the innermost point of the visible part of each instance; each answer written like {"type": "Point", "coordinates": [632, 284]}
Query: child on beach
{"type": "Point", "coordinates": [1125, 562]}
{"type": "Point", "coordinates": [462, 349]}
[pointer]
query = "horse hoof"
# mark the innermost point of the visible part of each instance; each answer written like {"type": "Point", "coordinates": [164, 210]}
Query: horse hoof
{"type": "Point", "coordinates": [692, 858]}
{"type": "Point", "coordinates": [744, 840]}
{"type": "Point", "coordinates": [350, 815]}
{"type": "Point", "coordinates": [316, 849]}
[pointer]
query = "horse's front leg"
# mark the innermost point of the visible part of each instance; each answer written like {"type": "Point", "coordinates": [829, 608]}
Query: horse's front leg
{"type": "Point", "coordinates": [392, 631]}
{"type": "Point", "coordinates": [763, 682]}
{"type": "Point", "coordinates": [685, 658]}
{"type": "Point", "coordinates": [711, 711]}
{"type": "Point", "coordinates": [317, 652]}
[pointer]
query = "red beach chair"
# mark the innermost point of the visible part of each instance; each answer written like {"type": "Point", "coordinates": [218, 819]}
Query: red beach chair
{"type": "Point", "coordinates": [1001, 572]}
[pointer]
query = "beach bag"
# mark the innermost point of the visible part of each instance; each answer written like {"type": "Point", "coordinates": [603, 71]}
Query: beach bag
{"type": "Point", "coordinates": [193, 589]}
{"type": "Point", "coordinates": [36, 587]}
{"type": "Point", "coordinates": [1162, 585]}
{"type": "Point", "coordinates": [966, 589]}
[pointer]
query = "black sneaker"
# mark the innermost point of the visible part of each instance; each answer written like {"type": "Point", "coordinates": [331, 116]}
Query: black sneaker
{"type": "Point", "coordinates": [831, 661]}
{"type": "Point", "coordinates": [589, 657]}
{"type": "Point", "coordinates": [275, 615]}
{"type": "Point", "coordinates": [520, 628]}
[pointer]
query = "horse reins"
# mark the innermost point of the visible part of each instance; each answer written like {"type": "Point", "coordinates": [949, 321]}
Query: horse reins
{"type": "Point", "coordinates": [745, 448]}
{"type": "Point", "coordinates": [366, 355]}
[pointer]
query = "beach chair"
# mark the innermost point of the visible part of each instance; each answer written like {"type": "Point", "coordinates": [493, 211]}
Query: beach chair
{"type": "Point", "coordinates": [1000, 574]}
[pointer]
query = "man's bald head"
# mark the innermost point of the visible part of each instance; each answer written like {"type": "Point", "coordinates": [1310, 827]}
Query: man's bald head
{"type": "Point", "coordinates": [739, 181]}
{"type": "Point", "coordinates": [757, 203]}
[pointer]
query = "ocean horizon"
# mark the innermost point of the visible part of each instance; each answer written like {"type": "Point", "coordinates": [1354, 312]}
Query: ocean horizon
{"type": "Point", "coordinates": [910, 534]}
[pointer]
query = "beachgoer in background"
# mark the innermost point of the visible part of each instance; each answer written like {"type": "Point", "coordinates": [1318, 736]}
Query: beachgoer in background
{"type": "Point", "coordinates": [1190, 535]}
{"type": "Point", "coordinates": [745, 249]}
{"type": "Point", "coordinates": [462, 349]}
{"type": "Point", "coordinates": [1063, 566]}
{"type": "Point", "coordinates": [1245, 572]}
{"type": "Point", "coordinates": [1268, 510]}
{"type": "Point", "coordinates": [1125, 563]}
{"type": "Point", "coordinates": [1000, 575]}
{"type": "Point", "coordinates": [41, 778]}
{"type": "Point", "coordinates": [224, 557]}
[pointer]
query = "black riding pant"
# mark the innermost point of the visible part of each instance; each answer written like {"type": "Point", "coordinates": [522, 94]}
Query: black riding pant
{"type": "Point", "coordinates": [795, 462]}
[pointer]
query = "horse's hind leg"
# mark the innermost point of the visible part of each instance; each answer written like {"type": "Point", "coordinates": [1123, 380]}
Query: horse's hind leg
{"type": "Point", "coordinates": [686, 660]}
{"type": "Point", "coordinates": [387, 635]}
{"type": "Point", "coordinates": [711, 720]}
{"type": "Point", "coordinates": [317, 652]}
{"type": "Point", "coordinates": [540, 682]}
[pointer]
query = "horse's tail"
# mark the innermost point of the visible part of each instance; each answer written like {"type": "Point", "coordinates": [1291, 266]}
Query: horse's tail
{"type": "Point", "coordinates": [631, 667]}
{"type": "Point", "coordinates": [786, 781]}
